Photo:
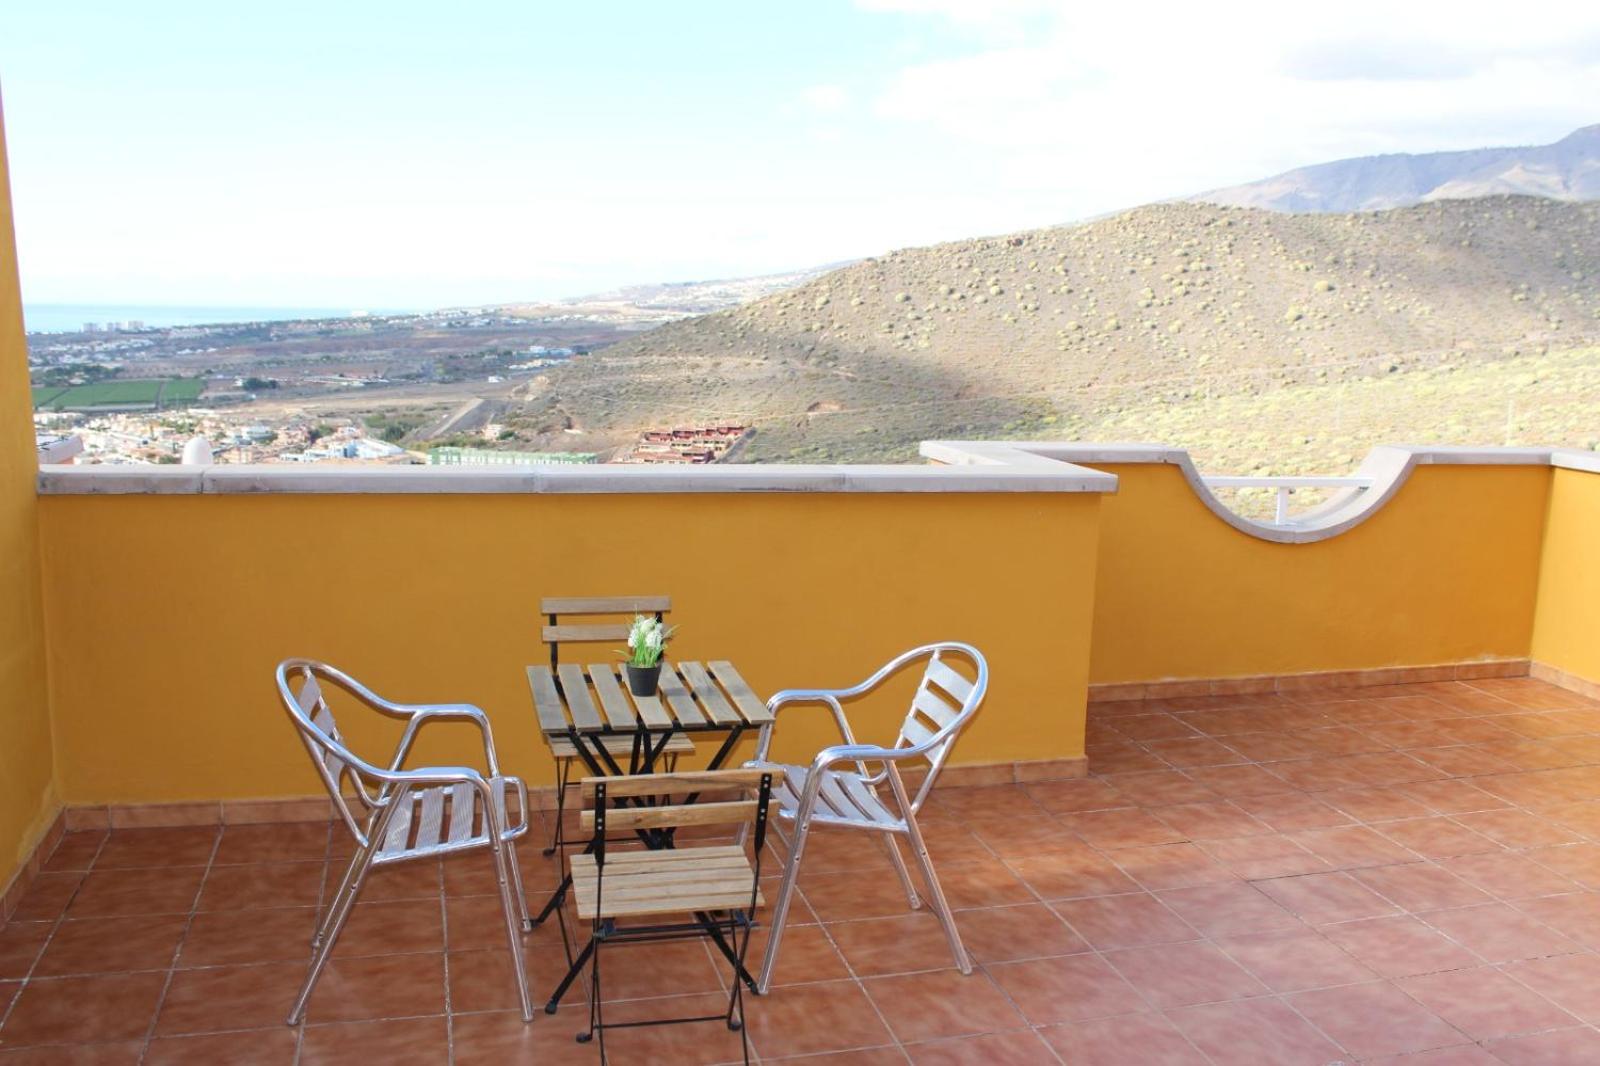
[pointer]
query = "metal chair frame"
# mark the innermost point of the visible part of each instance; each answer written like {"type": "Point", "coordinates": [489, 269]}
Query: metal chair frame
{"type": "Point", "coordinates": [736, 923]}
{"type": "Point", "coordinates": [392, 800]}
{"type": "Point", "coordinates": [824, 794]}
{"type": "Point", "coordinates": [558, 837]}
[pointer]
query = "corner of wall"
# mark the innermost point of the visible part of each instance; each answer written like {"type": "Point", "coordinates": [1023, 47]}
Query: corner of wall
{"type": "Point", "coordinates": [29, 799]}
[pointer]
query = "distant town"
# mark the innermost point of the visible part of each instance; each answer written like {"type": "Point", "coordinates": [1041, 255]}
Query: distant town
{"type": "Point", "coordinates": [449, 387]}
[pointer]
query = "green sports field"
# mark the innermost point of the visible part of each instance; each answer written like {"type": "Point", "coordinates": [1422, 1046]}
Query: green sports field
{"type": "Point", "coordinates": [162, 392]}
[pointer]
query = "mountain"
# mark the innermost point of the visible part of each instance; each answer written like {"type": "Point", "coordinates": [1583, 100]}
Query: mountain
{"type": "Point", "coordinates": [1076, 330]}
{"type": "Point", "coordinates": [1566, 170]}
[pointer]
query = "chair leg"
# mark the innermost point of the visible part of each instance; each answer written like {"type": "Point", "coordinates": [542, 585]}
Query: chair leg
{"type": "Point", "coordinates": [345, 882]}
{"type": "Point", "coordinates": [517, 889]}
{"type": "Point", "coordinates": [329, 934]}
{"type": "Point", "coordinates": [905, 875]}
{"type": "Point", "coordinates": [736, 1019]}
{"type": "Point", "coordinates": [563, 768]}
{"type": "Point", "coordinates": [596, 1013]}
{"type": "Point", "coordinates": [780, 910]}
{"type": "Point", "coordinates": [514, 926]}
{"type": "Point", "coordinates": [941, 907]}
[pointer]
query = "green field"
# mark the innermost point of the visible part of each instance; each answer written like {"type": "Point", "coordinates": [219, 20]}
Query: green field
{"type": "Point", "coordinates": [163, 392]}
{"type": "Point", "coordinates": [181, 390]}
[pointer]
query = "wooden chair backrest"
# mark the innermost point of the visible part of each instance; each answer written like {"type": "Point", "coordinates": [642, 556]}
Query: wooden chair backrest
{"type": "Point", "coordinates": [664, 786]}
{"type": "Point", "coordinates": [555, 632]}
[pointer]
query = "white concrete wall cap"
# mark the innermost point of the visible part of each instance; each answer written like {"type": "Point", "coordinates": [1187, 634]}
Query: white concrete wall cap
{"type": "Point", "coordinates": [1015, 471]}
{"type": "Point", "coordinates": [1387, 467]}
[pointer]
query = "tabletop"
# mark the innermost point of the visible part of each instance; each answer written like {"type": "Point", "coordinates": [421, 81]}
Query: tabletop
{"type": "Point", "coordinates": [595, 699]}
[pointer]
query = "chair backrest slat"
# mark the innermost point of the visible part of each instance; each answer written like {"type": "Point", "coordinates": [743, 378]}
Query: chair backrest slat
{"type": "Point", "coordinates": [733, 812]}
{"type": "Point", "coordinates": [555, 632]}
{"type": "Point", "coordinates": [604, 604]}
{"type": "Point", "coordinates": [915, 732]}
{"type": "Point", "coordinates": [953, 683]}
{"type": "Point", "coordinates": [584, 634]}
{"type": "Point", "coordinates": [944, 703]}
{"type": "Point", "coordinates": [659, 786]}
{"type": "Point", "coordinates": [932, 706]}
{"type": "Point", "coordinates": [679, 781]}
{"type": "Point", "coordinates": [304, 685]}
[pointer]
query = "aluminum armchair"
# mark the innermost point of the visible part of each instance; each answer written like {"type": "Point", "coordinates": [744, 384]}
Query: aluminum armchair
{"type": "Point", "coordinates": [842, 786]}
{"type": "Point", "coordinates": [400, 815]}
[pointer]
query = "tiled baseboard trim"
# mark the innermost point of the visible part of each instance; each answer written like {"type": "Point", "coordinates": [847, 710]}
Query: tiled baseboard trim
{"type": "Point", "coordinates": [312, 809]}
{"type": "Point", "coordinates": [23, 879]}
{"type": "Point", "coordinates": [1561, 679]}
{"type": "Point", "coordinates": [1311, 682]}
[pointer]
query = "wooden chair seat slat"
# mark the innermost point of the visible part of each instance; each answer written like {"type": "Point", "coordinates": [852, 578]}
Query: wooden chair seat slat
{"type": "Point", "coordinates": [664, 882]}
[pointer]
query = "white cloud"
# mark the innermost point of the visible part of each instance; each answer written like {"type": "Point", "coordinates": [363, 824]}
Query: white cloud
{"type": "Point", "coordinates": [1124, 102]}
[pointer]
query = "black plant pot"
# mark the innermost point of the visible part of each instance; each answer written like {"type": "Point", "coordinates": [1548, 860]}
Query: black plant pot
{"type": "Point", "coordinates": [643, 680]}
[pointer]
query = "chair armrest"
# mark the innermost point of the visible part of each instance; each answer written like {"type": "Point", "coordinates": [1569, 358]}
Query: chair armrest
{"type": "Point", "coordinates": [863, 753]}
{"type": "Point", "coordinates": [422, 713]}
{"type": "Point", "coordinates": [798, 695]}
{"type": "Point", "coordinates": [834, 696]}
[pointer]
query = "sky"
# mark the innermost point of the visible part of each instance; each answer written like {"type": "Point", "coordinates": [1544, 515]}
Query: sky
{"type": "Point", "coordinates": [405, 155]}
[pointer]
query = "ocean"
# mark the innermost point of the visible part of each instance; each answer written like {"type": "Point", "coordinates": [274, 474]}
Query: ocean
{"type": "Point", "coordinates": [66, 318]}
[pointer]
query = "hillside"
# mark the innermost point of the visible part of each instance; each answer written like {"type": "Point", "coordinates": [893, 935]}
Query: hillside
{"type": "Point", "coordinates": [1566, 170]}
{"type": "Point", "coordinates": [1053, 332]}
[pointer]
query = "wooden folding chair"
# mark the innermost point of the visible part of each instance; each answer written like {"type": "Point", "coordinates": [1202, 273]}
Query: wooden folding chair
{"type": "Point", "coordinates": [719, 886]}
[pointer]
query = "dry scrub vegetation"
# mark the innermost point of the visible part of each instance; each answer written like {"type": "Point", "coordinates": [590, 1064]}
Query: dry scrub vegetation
{"type": "Point", "coordinates": [1265, 342]}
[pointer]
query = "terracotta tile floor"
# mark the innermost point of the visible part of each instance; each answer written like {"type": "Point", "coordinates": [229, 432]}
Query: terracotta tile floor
{"type": "Point", "coordinates": [1406, 875]}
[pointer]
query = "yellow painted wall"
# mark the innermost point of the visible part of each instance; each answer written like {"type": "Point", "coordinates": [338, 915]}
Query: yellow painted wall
{"type": "Point", "coordinates": [27, 797]}
{"type": "Point", "coordinates": [167, 614]}
{"type": "Point", "coordinates": [1566, 631]}
{"type": "Point", "coordinates": [1444, 572]}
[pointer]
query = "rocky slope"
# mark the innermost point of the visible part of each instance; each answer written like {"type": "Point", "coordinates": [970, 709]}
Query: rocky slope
{"type": "Point", "coordinates": [1053, 332]}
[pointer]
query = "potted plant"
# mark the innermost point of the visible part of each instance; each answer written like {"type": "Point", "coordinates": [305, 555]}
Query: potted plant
{"type": "Point", "coordinates": [647, 643]}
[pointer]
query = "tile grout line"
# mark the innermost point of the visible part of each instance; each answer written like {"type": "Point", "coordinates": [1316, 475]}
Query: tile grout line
{"type": "Point", "coordinates": [55, 926]}
{"type": "Point", "coordinates": [172, 967]}
{"type": "Point", "coordinates": [316, 917]}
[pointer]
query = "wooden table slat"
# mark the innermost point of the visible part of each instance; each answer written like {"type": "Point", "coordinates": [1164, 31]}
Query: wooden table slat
{"type": "Point", "coordinates": [682, 704]}
{"type": "Point", "coordinates": [576, 688]}
{"type": "Point", "coordinates": [619, 712]}
{"type": "Point", "coordinates": [711, 698]}
{"type": "Point", "coordinates": [651, 712]}
{"type": "Point", "coordinates": [744, 697]}
{"type": "Point", "coordinates": [546, 700]}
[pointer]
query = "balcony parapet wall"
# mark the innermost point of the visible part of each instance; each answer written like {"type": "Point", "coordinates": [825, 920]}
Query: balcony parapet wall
{"type": "Point", "coordinates": [1386, 468]}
